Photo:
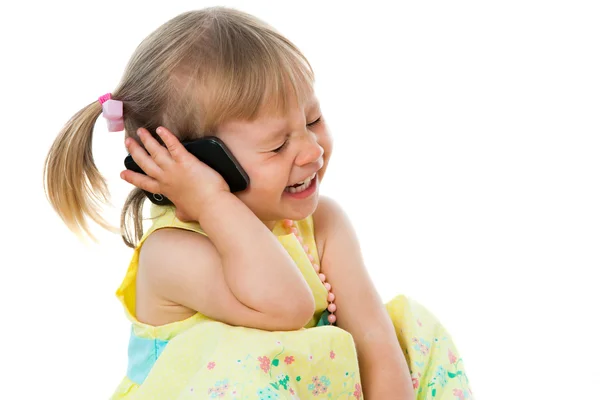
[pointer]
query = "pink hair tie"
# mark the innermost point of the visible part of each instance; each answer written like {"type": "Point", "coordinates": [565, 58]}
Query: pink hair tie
{"type": "Point", "coordinates": [112, 110]}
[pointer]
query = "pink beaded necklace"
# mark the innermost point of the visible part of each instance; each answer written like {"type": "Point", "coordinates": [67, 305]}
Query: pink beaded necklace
{"type": "Point", "coordinates": [288, 223]}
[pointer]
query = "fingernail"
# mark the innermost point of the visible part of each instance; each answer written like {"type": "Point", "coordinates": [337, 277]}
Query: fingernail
{"type": "Point", "coordinates": [122, 175]}
{"type": "Point", "coordinates": [140, 131]}
{"type": "Point", "coordinates": [159, 131]}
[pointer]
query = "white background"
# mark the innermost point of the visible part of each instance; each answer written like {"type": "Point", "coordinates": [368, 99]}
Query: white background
{"type": "Point", "coordinates": [467, 142]}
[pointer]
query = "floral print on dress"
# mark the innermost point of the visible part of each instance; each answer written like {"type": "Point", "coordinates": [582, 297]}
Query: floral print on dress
{"type": "Point", "coordinates": [319, 385]}
{"type": "Point", "coordinates": [421, 345]}
{"type": "Point", "coordinates": [265, 364]}
{"type": "Point", "coordinates": [282, 383]}
{"type": "Point", "coordinates": [357, 392]}
{"type": "Point", "coordinates": [267, 393]}
{"type": "Point", "coordinates": [219, 390]}
{"type": "Point", "coordinates": [280, 370]}
{"type": "Point", "coordinates": [444, 377]}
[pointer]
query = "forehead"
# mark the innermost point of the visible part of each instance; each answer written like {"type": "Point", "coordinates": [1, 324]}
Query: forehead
{"type": "Point", "coordinates": [270, 122]}
{"type": "Point", "coordinates": [271, 114]}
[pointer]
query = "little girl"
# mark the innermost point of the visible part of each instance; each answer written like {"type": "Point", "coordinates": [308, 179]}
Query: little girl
{"type": "Point", "coordinates": [257, 294]}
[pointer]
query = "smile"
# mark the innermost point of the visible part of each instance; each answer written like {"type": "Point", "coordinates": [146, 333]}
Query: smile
{"type": "Point", "coordinates": [301, 186]}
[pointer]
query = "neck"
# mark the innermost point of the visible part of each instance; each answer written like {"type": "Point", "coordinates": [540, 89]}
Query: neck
{"type": "Point", "coordinates": [270, 224]}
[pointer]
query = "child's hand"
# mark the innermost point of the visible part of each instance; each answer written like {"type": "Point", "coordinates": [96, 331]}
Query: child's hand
{"type": "Point", "coordinates": [174, 172]}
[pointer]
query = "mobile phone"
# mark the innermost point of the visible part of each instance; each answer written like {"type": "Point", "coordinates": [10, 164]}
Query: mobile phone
{"type": "Point", "coordinates": [211, 151]}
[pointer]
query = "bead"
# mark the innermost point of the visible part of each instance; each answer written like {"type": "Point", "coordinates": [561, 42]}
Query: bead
{"type": "Point", "coordinates": [331, 318]}
{"type": "Point", "coordinates": [330, 296]}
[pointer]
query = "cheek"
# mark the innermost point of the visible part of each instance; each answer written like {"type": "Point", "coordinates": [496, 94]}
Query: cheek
{"type": "Point", "coordinates": [328, 145]}
{"type": "Point", "coordinates": [265, 178]}
{"type": "Point", "coordinates": [326, 142]}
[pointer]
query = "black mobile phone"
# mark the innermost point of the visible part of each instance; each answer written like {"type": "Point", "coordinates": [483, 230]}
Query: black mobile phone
{"type": "Point", "coordinates": [211, 151]}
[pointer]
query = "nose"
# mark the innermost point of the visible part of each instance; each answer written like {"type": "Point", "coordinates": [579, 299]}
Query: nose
{"type": "Point", "coordinates": [311, 151]}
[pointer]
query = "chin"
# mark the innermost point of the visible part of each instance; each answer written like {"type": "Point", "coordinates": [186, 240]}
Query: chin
{"type": "Point", "coordinates": [301, 213]}
{"type": "Point", "coordinates": [294, 215]}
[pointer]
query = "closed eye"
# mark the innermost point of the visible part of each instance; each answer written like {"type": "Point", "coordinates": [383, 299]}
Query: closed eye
{"type": "Point", "coordinates": [315, 122]}
{"type": "Point", "coordinates": [277, 150]}
{"type": "Point", "coordinates": [280, 148]}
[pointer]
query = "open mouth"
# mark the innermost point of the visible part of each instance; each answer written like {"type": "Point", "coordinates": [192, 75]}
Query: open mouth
{"type": "Point", "coordinates": [301, 186]}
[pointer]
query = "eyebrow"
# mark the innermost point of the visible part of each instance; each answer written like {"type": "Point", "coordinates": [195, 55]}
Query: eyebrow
{"type": "Point", "coordinates": [271, 136]}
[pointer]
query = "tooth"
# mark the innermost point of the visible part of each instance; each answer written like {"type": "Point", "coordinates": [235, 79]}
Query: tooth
{"type": "Point", "coordinates": [303, 185]}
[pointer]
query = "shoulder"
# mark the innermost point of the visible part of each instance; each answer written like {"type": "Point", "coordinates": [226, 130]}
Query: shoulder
{"type": "Point", "coordinates": [174, 243]}
{"type": "Point", "coordinates": [171, 255]}
{"type": "Point", "coordinates": [328, 215]}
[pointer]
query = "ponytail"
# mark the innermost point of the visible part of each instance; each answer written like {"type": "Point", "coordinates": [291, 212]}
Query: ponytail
{"type": "Point", "coordinates": [132, 215]}
{"type": "Point", "coordinates": [72, 182]}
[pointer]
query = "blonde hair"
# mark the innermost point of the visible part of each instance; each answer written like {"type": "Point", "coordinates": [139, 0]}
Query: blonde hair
{"type": "Point", "coordinates": [196, 71]}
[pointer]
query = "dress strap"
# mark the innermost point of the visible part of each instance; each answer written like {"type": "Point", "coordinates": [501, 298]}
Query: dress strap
{"type": "Point", "coordinates": [165, 217]}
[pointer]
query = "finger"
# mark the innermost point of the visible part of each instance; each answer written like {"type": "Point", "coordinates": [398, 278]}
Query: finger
{"type": "Point", "coordinates": [156, 150]}
{"type": "Point", "coordinates": [141, 181]}
{"type": "Point", "coordinates": [173, 144]}
{"type": "Point", "coordinates": [142, 158]}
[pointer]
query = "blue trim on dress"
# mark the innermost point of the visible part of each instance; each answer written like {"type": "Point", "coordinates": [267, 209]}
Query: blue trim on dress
{"type": "Point", "coordinates": [142, 354]}
{"type": "Point", "coordinates": [323, 321]}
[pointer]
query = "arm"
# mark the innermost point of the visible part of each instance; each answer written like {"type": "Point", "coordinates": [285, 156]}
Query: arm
{"type": "Point", "coordinates": [255, 266]}
{"type": "Point", "coordinates": [185, 268]}
{"type": "Point", "coordinates": [383, 368]}
{"type": "Point", "coordinates": [257, 270]}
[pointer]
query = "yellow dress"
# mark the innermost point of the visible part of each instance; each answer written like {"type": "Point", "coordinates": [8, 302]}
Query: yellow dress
{"type": "Point", "coordinates": [199, 358]}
